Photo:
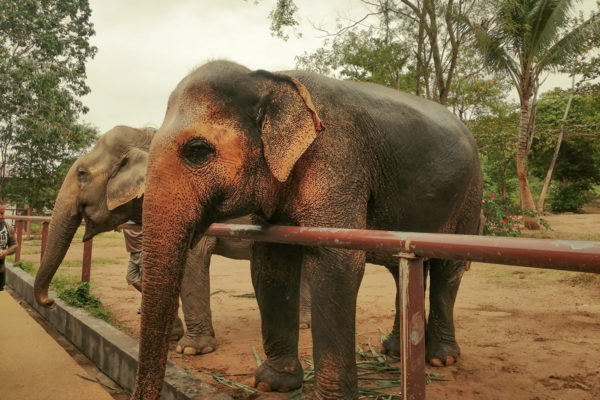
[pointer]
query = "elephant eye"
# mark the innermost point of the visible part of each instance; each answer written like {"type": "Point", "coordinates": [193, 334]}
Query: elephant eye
{"type": "Point", "coordinates": [197, 151]}
{"type": "Point", "coordinates": [82, 174]}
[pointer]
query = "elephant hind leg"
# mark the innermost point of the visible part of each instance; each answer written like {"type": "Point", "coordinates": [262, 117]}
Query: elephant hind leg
{"type": "Point", "coordinates": [441, 348]}
{"type": "Point", "coordinates": [391, 344]}
{"type": "Point", "coordinates": [440, 341]}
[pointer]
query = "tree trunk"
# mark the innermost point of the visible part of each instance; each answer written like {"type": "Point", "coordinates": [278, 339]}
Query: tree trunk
{"type": "Point", "coordinates": [561, 134]}
{"type": "Point", "coordinates": [527, 202]}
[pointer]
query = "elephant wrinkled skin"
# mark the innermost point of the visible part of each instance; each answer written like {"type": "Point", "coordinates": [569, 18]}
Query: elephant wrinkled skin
{"type": "Point", "coordinates": [105, 187]}
{"type": "Point", "coordinates": [296, 148]}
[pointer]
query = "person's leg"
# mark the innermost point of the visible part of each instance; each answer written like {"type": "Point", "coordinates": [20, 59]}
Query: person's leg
{"type": "Point", "coordinates": [2, 275]}
{"type": "Point", "coordinates": [134, 271]}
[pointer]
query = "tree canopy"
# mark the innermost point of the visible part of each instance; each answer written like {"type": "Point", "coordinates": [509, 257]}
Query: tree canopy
{"type": "Point", "coordinates": [44, 45]}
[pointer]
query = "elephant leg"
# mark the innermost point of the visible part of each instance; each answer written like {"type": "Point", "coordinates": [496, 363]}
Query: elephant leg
{"type": "Point", "coordinates": [276, 279]}
{"type": "Point", "coordinates": [440, 342]}
{"type": "Point", "coordinates": [304, 303]}
{"type": "Point", "coordinates": [334, 276]}
{"type": "Point", "coordinates": [391, 344]}
{"type": "Point", "coordinates": [195, 300]}
{"type": "Point", "coordinates": [177, 331]}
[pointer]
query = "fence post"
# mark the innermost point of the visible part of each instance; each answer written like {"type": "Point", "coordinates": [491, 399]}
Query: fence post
{"type": "Point", "coordinates": [87, 260]}
{"type": "Point", "coordinates": [19, 226]}
{"type": "Point", "coordinates": [45, 226]}
{"type": "Point", "coordinates": [412, 326]}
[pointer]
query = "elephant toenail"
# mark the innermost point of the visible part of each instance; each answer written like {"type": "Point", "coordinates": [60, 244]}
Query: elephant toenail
{"type": "Point", "coordinates": [190, 351]}
{"type": "Point", "coordinates": [436, 362]}
{"type": "Point", "coordinates": [263, 386]}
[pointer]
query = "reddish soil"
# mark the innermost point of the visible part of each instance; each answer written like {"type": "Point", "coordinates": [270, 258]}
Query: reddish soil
{"type": "Point", "coordinates": [524, 333]}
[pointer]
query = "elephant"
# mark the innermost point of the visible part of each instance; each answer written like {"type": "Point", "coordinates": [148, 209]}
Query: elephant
{"type": "Point", "coordinates": [105, 187]}
{"type": "Point", "coordinates": [300, 149]}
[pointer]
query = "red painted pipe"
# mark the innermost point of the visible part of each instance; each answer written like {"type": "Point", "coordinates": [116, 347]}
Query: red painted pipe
{"type": "Point", "coordinates": [569, 255]}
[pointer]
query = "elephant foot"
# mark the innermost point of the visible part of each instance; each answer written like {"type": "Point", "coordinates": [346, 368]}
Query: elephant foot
{"type": "Point", "coordinates": [304, 320]}
{"type": "Point", "coordinates": [441, 353]}
{"type": "Point", "coordinates": [281, 376]}
{"type": "Point", "coordinates": [192, 345]}
{"type": "Point", "coordinates": [391, 345]}
{"type": "Point", "coordinates": [177, 331]}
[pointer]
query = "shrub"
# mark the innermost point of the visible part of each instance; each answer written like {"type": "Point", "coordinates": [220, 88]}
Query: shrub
{"type": "Point", "coordinates": [501, 218]}
{"type": "Point", "coordinates": [26, 266]}
{"type": "Point", "coordinates": [571, 197]}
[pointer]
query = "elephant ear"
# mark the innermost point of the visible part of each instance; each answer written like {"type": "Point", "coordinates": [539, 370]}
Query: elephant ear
{"type": "Point", "coordinates": [128, 181]}
{"type": "Point", "coordinates": [288, 122]}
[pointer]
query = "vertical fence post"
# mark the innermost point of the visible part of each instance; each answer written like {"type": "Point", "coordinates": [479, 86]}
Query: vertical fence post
{"type": "Point", "coordinates": [412, 326]}
{"type": "Point", "coordinates": [45, 226]}
{"type": "Point", "coordinates": [19, 225]}
{"type": "Point", "coordinates": [87, 260]}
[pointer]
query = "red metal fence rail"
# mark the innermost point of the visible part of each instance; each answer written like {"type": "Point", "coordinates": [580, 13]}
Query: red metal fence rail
{"type": "Point", "coordinates": [411, 248]}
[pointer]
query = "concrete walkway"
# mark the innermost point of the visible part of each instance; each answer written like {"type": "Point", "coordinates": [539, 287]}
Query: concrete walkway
{"type": "Point", "coordinates": [33, 366]}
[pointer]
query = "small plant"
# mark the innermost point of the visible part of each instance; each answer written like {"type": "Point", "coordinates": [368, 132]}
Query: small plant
{"type": "Point", "coordinates": [571, 197]}
{"type": "Point", "coordinates": [80, 296]}
{"type": "Point", "coordinates": [501, 219]}
{"type": "Point", "coordinates": [26, 266]}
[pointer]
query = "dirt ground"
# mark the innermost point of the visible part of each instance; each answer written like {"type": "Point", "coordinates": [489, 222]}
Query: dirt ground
{"type": "Point", "coordinates": [524, 333]}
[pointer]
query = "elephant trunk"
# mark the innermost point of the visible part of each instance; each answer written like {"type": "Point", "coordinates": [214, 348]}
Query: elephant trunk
{"type": "Point", "coordinates": [167, 232]}
{"type": "Point", "coordinates": [65, 221]}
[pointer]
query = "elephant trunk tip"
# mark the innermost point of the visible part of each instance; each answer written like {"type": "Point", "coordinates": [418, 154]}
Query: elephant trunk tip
{"type": "Point", "coordinates": [42, 298]}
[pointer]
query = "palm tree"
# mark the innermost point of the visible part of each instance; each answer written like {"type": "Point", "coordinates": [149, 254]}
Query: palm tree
{"type": "Point", "coordinates": [524, 39]}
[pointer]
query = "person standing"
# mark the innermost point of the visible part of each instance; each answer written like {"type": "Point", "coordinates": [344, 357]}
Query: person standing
{"type": "Point", "coordinates": [133, 244]}
{"type": "Point", "coordinates": [8, 245]}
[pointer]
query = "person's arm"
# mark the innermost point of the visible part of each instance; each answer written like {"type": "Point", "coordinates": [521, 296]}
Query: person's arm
{"type": "Point", "coordinates": [12, 244]}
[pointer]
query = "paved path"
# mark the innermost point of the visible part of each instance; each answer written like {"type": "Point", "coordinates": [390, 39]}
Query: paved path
{"type": "Point", "coordinates": [33, 366]}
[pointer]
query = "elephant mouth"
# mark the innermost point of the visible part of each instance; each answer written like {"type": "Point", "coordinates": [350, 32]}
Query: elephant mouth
{"type": "Point", "coordinates": [91, 229]}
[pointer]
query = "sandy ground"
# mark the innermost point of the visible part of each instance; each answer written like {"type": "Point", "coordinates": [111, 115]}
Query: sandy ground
{"type": "Point", "coordinates": [524, 333]}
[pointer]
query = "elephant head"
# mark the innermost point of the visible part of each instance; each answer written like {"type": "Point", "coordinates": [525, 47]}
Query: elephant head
{"type": "Point", "coordinates": [105, 188]}
{"type": "Point", "coordinates": [229, 140]}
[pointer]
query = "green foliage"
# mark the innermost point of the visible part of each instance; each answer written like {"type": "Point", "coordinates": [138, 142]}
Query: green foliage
{"type": "Point", "coordinates": [570, 197]}
{"type": "Point", "coordinates": [496, 140]}
{"type": "Point", "coordinates": [524, 39]}
{"type": "Point", "coordinates": [579, 156]}
{"type": "Point", "coordinates": [363, 56]}
{"type": "Point", "coordinates": [26, 266]}
{"type": "Point", "coordinates": [283, 16]}
{"type": "Point", "coordinates": [44, 45]}
{"type": "Point", "coordinates": [80, 296]}
{"type": "Point", "coordinates": [501, 218]}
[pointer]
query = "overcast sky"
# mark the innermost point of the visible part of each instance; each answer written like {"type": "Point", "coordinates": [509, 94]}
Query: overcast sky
{"type": "Point", "coordinates": [145, 47]}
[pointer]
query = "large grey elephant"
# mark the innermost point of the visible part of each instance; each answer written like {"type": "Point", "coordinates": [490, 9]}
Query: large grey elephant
{"type": "Point", "coordinates": [105, 187]}
{"type": "Point", "coordinates": [296, 148]}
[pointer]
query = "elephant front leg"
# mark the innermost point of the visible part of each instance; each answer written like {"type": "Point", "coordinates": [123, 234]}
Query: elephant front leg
{"type": "Point", "coordinates": [334, 276]}
{"type": "Point", "coordinates": [276, 279]}
{"type": "Point", "coordinates": [195, 301]}
{"type": "Point", "coordinates": [441, 347]}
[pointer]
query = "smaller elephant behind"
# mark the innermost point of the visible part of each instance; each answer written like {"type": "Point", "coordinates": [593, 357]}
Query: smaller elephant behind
{"type": "Point", "coordinates": [105, 187]}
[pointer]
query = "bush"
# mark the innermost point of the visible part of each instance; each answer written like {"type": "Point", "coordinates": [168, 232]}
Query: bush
{"type": "Point", "coordinates": [26, 266]}
{"type": "Point", "coordinates": [501, 218]}
{"type": "Point", "coordinates": [79, 296]}
{"type": "Point", "coordinates": [571, 197]}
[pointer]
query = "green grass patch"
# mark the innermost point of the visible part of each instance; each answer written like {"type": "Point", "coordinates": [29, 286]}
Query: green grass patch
{"type": "Point", "coordinates": [95, 262]}
{"type": "Point", "coordinates": [582, 279]}
{"type": "Point", "coordinates": [26, 266]}
{"type": "Point", "coordinates": [71, 290]}
{"type": "Point", "coordinates": [245, 295]}
{"type": "Point", "coordinates": [77, 294]}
